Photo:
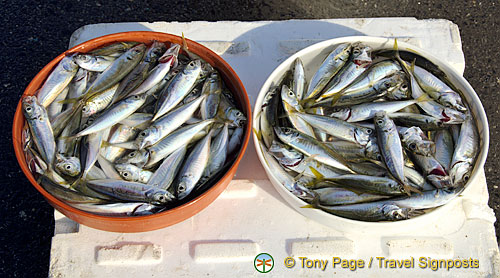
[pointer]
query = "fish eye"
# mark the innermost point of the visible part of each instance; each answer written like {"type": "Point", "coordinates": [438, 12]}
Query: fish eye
{"type": "Point", "coordinates": [380, 122]}
{"type": "Point", "coordinates": [182, 188]}
{"type": "Point", "coordinates": [404, 86]}
{"type": "Point", "coordinates": [238, 114]}
{"type": "Point", "coordinates": [412, 146]}
{"type": "Point", "coordinates": [68, 167]}
{"type": "Point", "coordinates": [40, 118]}
{"type": "Point", "coordinates": [136, 96]}
{"type": "Point", "coordinates": [143, 133]}
{"type": "Point", "coordinates": [132, 154]}
{"type": "Point", "coordinates": [28, 109]}
{"type": "Point", "coordinates": [356, 52]}
{"type": "Point", "coordinates": [85, 109]}
{"type": "Point", "coordinates": [466, 178]}
{"type": "Point", "coordinates": [379, 157]}
{"type": "Point", "coordinates": [369, 131]}
{"type": "Point", "coordinates": [125, 174]}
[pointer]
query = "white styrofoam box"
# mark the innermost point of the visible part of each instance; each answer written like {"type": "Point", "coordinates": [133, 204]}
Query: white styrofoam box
{"type": "Point", "coordinates": [250, 217]}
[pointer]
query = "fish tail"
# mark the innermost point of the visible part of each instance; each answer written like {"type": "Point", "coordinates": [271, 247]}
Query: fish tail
{"type": "Point", "coordinates": [408, 189]}
{"type": "Point", "coordinates": [184, 43]}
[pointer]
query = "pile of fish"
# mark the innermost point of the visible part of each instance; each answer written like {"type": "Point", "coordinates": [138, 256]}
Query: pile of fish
{"type": "Point", "coordinates": [370, 136]}
{"type": "Point", "coordinates": [130, 129]}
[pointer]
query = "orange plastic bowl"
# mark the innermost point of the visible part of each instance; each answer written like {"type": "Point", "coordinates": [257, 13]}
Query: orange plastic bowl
{"type": "Point", "coordinates": [158, 220]}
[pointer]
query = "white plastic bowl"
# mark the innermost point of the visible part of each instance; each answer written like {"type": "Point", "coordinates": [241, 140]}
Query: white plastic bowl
{"type": "Point", "coordinates": [312, 57]}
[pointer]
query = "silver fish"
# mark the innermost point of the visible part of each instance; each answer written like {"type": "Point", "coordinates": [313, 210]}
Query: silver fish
{"type": "Point", "coordinates": [357, 64]}
{"type": "Point", "coordinates": [90, 149]}
{"type": "Point", "coordinates": [119, 134]}
{"type": "Point", "coordinates": [212, 88]}
{"type": "Point", "coordinates": [119, 209]}
{"type": "Point", "coordinates": [373, 211]}
{"type": "Point", "coordinates": [366, 111]}
{"type": "Point", "coordinates": [444, 148]}
{"type": "Point", "coordinates": [174, 141]}
{"type": "Point", "coordinates": [78, 85]}
{"type": "Point", "coordinates": [56, 106]}
{"type": "Point", "coordinates": [40, 128]}
{"type": "Point", "coordinates": [438, 90]}
{"type": "Point", "coordinates": [268, 116]}
{"type": "Point", "coordinates": [132, 191]}
{"type": "Point", "coordinates": [99, 101]}
{"type": "Point", "coordinates": [299, 79]}
{"type": "Point", "coordinates": [107, 168]}
{"type": "Point", "coordinates": [432, 108]}
{"type": "Point", "coordinates": [94, 62]}
{"type": "Point", "coordinates": [180, 86]}
{"type": "Point", "coordinates": [331, 65]}
{"type": "Point", "coordinates": [138, 120]}
{"type": "Point", "coordinates": [390, 146]}
{"type": "Point", "coordinates": [295, 161]}
{"type": "Point", "coordinates": [114, 50]}
{"type": "Point", "coordinates": [414, 140]}
{"type": "Point", "coordinates": [138, 158]}
{"type": "Point", "coordinates": [167, 124]}
{"type": "Point", "coordinates": [218, 152]}
{"type": "Point", "coordinates": [68, 166]}
{"type": "Point", "coordinates": [114, 115]}
{"type": "Point", "coordinates": [140, 72]}
{"type": "Point", "coordinates": [338, 128]}
{"type": "Point", "coordinates": [117, 70]}
{"type": "Point", "coordinates": [130, 172]}
{"type": "Point", "coordinates": [467, 149]}
{"type": "Point", "coordinates": [168, 169]}
{"type": "Point", "coordinates": [311, 147]}
{"type": "Point", "coordinates": [424, 122]}
{"type": "Point", "coordinates": [60, 77]}
{"type": "Point", "coordinates": [427, 200]}
{"type": "Point", "coordinates": [235, 140]}
{"type": "Point", "coordinates": [375, 73]}
{"type": "Point", "coordinates": [166, 62]}
{"type": "Point", "coordinates": [331, 196]}
{"type": "Point", "coordinates": [376, 185]}
{"type": "Point", "coordinates": [291, 106]}
{"type": "Point", "coordinates": [296, 187]}
{"type": "Point", "coordinates": [193, 167]}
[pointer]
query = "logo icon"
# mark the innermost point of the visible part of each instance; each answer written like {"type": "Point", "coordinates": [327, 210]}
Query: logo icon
{"type": "Point", "coordinates": [263, 263]}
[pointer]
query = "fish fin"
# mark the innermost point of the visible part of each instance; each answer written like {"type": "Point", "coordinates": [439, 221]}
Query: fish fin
{"type": "Point", "coordinates": [69, 100]}
{"type": "Point", "coordinates": [258, 134]}
{"type": "Point", "coordinates": [308, 206]}
{"type": "Point", "coordinates": [316, 173]}
{"type": "Point", "coordinates": [105, 144]}
{"type": "Point", "coordinates": [336, 97]}
{"type": "Point", "coordinates": [184, 43]}
{"type": "Point", "coordinates": [423, 98]}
